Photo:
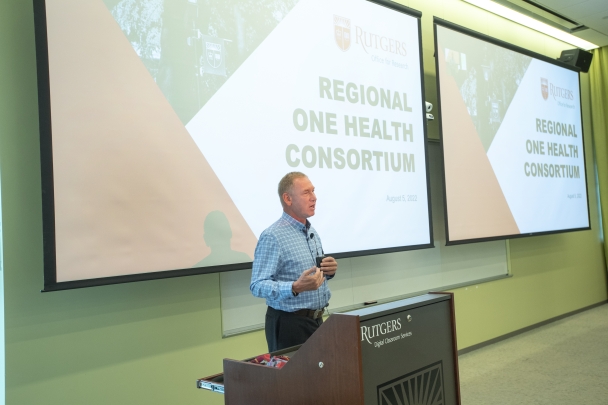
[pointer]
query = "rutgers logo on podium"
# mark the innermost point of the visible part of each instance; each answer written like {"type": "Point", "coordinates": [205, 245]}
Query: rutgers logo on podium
{"type": "Point", "coordinates": [342, 32]}
{"type": "Point", "coordinates": [544, 87]}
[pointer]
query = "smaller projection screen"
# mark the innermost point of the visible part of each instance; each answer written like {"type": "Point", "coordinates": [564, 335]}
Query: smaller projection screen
{"type": "Point", "coordinates": [512, 136]}
{"type": "Point", "coordinates": [166, 126]}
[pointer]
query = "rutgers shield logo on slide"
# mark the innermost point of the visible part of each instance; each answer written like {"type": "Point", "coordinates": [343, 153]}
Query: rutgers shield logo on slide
{"type": "Point", "coordinates": [342, 32]}
{"type": "Point", "coordinates": [214, 54]}
{"type": "Point", "coordinates": [544, 87]}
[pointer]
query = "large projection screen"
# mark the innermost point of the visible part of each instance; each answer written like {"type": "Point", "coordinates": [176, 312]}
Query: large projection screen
{"type": "Point", "coordinates": [166, 126]}
{"type": "Point", "coordinates": [512, 136]}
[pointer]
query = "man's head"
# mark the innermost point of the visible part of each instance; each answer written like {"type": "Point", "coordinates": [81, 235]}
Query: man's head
{"type": "Point", "coordinates": [297, 196]}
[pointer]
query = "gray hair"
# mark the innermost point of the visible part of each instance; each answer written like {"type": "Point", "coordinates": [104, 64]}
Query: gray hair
{"type": "Point", "coordinates": [286, 183]}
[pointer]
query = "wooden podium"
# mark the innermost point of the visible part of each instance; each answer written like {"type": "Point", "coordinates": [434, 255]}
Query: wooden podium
{"type": "Point", "coordinates": [402, 352]}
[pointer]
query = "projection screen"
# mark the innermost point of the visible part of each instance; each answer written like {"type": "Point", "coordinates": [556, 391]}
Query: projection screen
{"type": "Point", "coordinates": [514, 158]}
{"type": "Point", "coordinates": [167, 125]}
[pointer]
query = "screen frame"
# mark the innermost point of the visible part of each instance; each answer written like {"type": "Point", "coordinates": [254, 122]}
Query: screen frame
{"type": "Point", "coordinates": [495, 41]}
{"type": "Point", "coordinates": [47, 176]}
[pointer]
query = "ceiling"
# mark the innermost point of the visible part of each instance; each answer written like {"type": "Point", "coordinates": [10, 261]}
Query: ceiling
{"type": "Point", "coordinates": [586, 19]}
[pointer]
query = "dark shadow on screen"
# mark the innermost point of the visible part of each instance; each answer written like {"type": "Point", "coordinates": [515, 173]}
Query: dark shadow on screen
{"type": "Point", "coordinates": [218, 235]}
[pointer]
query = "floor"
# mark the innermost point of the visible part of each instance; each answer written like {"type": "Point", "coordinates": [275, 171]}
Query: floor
{"type": "Point", "coordinates": [565, 362]}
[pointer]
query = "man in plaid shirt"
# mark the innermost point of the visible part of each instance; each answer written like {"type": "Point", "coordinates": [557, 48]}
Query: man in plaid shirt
{"type": "Point", "coordinates": [285, 270]}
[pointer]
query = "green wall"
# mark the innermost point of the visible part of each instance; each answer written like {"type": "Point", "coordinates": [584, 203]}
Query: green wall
{"type": "Point", "coordinates": [147, 342]}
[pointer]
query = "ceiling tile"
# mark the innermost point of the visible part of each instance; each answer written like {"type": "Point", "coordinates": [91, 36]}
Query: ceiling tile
{"type": "Point", "coordinates": [594, 37]}
{"type": "Point", "coordinates": [587, 8]}
{"type": "Point", "coordinates": [597, 23]}
{"type": "Point", "coordinates": [558, 4]}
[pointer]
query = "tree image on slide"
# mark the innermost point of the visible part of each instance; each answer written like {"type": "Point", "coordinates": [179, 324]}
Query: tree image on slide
{"type": "Point", "coordinates": [191, 47]}
{"type": "Point", "coordinates": [488, 79]}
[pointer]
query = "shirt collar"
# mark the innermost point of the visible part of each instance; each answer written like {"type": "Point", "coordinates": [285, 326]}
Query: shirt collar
{"type": "Point", "coordinates": [295, 223]}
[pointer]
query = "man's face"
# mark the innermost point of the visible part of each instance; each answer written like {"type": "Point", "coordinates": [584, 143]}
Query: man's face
{"type": "Point", "coordinates": [302, 199]}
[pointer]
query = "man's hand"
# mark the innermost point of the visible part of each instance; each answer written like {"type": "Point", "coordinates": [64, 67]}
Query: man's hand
{"type": "Point", "coordinates": [329, 266]}
{"type": "Point", "coordinates": [309, 280]}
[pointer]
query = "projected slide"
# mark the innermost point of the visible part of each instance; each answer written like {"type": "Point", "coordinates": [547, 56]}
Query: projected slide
{"type": "Point", "coordinates": [173, 121]}
{"type": "Point", "coordinates": [512, 140]}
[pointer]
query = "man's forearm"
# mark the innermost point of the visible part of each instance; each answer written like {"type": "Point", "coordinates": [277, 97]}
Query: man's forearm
{"type": "Point", "coordinates": [267, 288]}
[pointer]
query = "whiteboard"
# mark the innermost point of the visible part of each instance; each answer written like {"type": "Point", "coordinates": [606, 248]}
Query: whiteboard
{"type": "Point", "coordinates": [383, 277]}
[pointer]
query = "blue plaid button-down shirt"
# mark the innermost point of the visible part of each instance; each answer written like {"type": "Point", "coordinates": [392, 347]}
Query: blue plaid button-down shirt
{"type": "Point", "coordinates": [283, 252]}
